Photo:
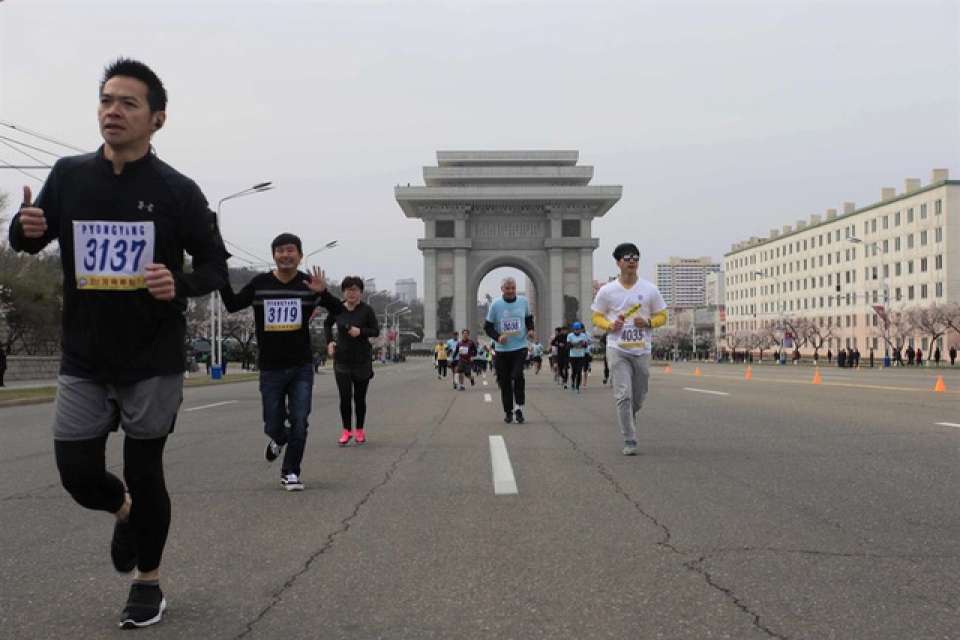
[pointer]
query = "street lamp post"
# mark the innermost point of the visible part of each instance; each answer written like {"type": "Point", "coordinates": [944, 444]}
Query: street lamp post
{"type": "Point", "coordinates": [306, 258]}
{"type": "Point", "coordinates": [878, 248]}
{"type": "Point", "coordinates": [216, 313]}
{"type": "Point", "coordinates": [386, 320]}
{"type": "Point", "coordinates": [396, 329]}
{"type": "Point", "coordinates": [781, 349]}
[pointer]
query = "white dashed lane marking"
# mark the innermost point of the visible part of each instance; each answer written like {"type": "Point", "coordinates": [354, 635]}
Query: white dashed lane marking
{"type": "Point", "coordinates": [714, 393]}
{"type": "Point", "coordinates": [210, 406]}
{"type": "Point", "coordinates": [503, 481]}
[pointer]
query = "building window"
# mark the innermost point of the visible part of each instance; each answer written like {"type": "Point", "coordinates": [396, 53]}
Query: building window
{"type": "Point", "coordinates": [569, 228]}
{"type": "Point", "coordinates": [923, 214]}
{"type": "Point", "coordinates": [910, 294]}
{"type": "Point", "coordinates": [923, 292]}
{"type": "Point", "coordinates": [444, 228]}
{"type": "Point", "coordinates": [938, 235]}
{"type": "Point", "coordinates": [896, 218]}
{"type": "Point", "coordinates": [923, 265]}
{"type": "Point", "coordinates": [896, 244]}
{"type": "Point", "coordinates": [939, 289]}
{"type": "Point", "coordinates": [938, 261]}
{"type": "Point", "coordinates": [938, 207]}
{"type": "Point", "coordinates": [909, 267]}
{"type": "Point", "coordinates": [923, 238]}
{"type": "Point", "coordinates": [910, 215]}
{"type": "Point", "coordinates": [923, 209]}
{"type": "Point", "coordinates": [910, 241]}
{"type": "Point", "coordinates": [886, 222]}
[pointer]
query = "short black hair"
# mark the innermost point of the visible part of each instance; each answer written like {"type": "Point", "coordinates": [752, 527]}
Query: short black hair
{"type": "Point", "coordinates": [156, 93]}
{"type": "Point", "coordinates": [351, 281]}
{"type": "Point", "coordinates": [286, 238]}
{"type": "Point", "coordinates": [624, 249]}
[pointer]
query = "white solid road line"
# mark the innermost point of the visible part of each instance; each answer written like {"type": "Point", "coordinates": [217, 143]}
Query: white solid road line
{"type": "Point", "coordinates": [715, 393]}
{"type": "Point", "coordinates": [947, 424]}
{"type": "Point", "coordinates": [487, 397]}
{"type": "Point", "coordinates": [503, 480]}
{"type": "Point", "coordinates": [209, 406]}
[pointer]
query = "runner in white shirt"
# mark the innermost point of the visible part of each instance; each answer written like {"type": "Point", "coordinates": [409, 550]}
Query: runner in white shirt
{"type": "Point", "coordinates": [627, 308]}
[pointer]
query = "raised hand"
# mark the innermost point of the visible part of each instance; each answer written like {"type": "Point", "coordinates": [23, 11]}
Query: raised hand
{"type": "Point", "coordinates": [318, 280]}
{"type": "Point", "coordinates": [31, 219]}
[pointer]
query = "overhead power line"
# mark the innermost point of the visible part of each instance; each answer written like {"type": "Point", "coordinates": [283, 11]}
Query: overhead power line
{"type": "Point", "coordinates": [37, 134]}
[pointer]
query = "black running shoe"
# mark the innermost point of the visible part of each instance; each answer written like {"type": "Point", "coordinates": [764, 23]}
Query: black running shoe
{"type": "Point", "coordinates": [123, 547]}
{"type": "Point", "coordinates": [508, 417]}
{"type": "Point", "coordinates": [145, 605]}
{"type": "Point", "coordinates": [273, 451]}
{"type": "Point", "coordinates": [519, 416]}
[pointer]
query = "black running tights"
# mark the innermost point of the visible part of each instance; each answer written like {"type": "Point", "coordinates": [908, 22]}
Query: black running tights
{"type": "Point", "coordinates": [353, 392]}
{"type": "Point", "coordinates": [83, 472]}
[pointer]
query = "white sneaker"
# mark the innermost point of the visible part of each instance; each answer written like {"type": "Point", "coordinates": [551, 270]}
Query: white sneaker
{"type": "Point", "coordinates": [291, 482]}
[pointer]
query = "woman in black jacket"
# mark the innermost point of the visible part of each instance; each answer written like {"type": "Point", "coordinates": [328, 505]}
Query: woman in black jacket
{"type": "Point", "coordinates": [352, 356]}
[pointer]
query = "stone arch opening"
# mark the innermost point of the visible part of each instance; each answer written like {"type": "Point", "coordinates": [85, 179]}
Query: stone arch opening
{"type": "Point", "coordinates": [528, 210]}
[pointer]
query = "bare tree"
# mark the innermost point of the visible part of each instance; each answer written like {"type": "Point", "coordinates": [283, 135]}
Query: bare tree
{"type": "Point", "coordinates": [796, 328]}
{"type": "Point", "coordinates": [762, 339]}
{"type": "Point", "coordinates": [817, 335]}
{"type": "Point", "coordinates": [31, 302]}
{"type": "Point", "coordinates": [241, 326]}
{"type": "Point", "coordinates": [738, 340]}
{"type": "Point", "coordinates": [932, 322]}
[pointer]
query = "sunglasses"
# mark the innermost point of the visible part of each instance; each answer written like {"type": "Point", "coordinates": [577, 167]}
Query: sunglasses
{"type": "Point", "coordinates": [630, 257]}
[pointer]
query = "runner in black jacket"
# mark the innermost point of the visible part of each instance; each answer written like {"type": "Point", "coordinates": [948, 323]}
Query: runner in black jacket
{"type": "Point", "coordinates": [283, 302]}
{"type": "Point", "coordinates": [352, 354]}
{"type": "Point", "coordinates": [124, 220]}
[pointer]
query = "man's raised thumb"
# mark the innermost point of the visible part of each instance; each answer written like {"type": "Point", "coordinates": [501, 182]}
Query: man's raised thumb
{"type": "Point", "coordinates": [27, 197]}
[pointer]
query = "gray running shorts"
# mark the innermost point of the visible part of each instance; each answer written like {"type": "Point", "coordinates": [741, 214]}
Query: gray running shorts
{"type": "Point", "coordinates": [86, 409]}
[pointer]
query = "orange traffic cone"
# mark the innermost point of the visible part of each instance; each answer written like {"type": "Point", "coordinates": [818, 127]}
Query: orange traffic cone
{"type": "Point", "coordinates": [816, 376]}
{"type": "Point", "coordinates": [749, 375]}
{"type": "Point", "coordinates": [696, 371]}
{"type": "Point", "coordinates": [667, 369]}
{"type": "Point", "coordinates": [940, 386]}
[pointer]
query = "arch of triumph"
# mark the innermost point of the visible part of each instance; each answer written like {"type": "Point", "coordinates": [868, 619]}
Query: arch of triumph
{"type": "Point", "coordinates": [530, 210]}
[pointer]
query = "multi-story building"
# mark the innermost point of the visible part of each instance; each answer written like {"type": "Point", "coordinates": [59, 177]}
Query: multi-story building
{"type": "Point", "coordinates": [851, 274]}
{"type": "Point", "coordinates": [682, 281]}
{"type": "Point", "coordinates": [406, 289]}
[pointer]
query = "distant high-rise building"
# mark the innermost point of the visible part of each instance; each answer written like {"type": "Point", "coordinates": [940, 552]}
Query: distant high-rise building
{"type": "Point", "coordinates": [406, 289]}
{"type": "Point", "coordinates": [682, 281]}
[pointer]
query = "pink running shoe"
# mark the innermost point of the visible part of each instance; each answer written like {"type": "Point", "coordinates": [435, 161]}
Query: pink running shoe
{"type": "Point", "coordinates": [345, 437]}
{"type": "Point", "coordinates": [360, 439]}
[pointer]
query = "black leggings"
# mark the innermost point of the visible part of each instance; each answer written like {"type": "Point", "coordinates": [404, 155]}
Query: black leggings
{"type": "Point", "coordinates": [510, 378]}
{"type": "Point", "coordinates": [352, 392]}
{"type": "Point", "coordinates": [83, 473]}
{"type": "Point", "coordinates": [577, 366]}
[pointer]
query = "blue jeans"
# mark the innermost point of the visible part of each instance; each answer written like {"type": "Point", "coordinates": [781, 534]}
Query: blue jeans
{"type": "Point", "coordinates": [286, 396]}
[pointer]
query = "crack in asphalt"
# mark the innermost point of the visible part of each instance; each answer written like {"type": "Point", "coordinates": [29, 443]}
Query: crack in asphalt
{"type": "Point", "coordinates": [345, 524]}
{"type": "Point", "coordinates": [665, 541]}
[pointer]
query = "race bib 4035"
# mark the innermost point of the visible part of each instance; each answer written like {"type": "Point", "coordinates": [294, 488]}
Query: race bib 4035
{"type": "Point", "coordinates": [112, 255]}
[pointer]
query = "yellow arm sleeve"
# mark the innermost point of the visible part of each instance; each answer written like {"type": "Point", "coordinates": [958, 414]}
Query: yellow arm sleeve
{"type": "Point", "coordinates": [600, 321]}
{"type": "Point", "coordinates": [659, 319]}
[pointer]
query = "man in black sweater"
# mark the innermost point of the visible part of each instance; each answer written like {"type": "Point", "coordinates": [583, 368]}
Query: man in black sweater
{"type": "Point", "coordinates": [283, 301]}
{"type": "Point", "coordinates": [124, 220]}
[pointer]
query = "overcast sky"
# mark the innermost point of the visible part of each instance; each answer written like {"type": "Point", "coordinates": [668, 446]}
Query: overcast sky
{"type": "Point", "coordinates": [720, 120]}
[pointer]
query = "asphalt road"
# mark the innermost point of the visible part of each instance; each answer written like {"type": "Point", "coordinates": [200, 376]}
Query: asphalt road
{"type": "Point", "coordinates": [764, 508]}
